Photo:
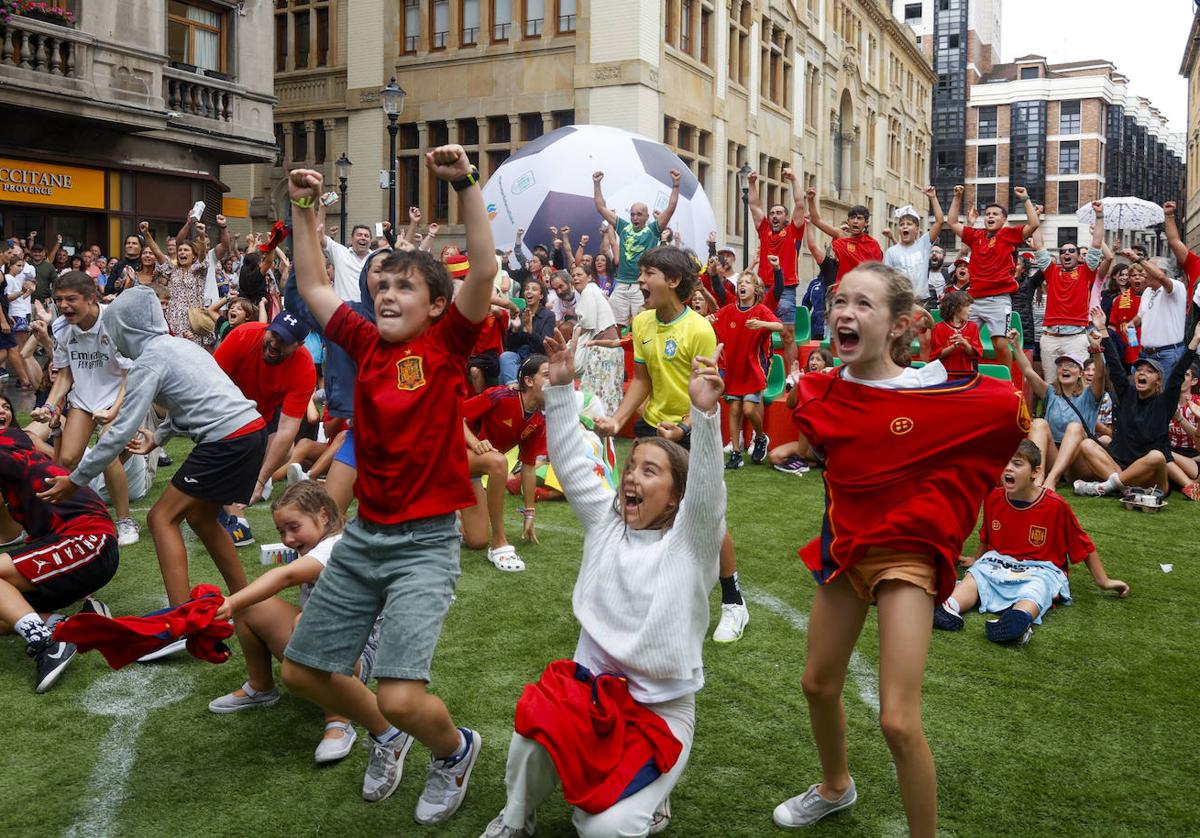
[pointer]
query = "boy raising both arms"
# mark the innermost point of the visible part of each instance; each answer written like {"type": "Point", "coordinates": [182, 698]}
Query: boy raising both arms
{"type": "Point", "coordinates": [400, 556]}
{"type": "Point", "coordinates": [1028, 541]}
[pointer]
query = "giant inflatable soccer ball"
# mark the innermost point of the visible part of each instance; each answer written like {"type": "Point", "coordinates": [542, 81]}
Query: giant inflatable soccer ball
{"type": "Point", "coordinates": [548, 183]}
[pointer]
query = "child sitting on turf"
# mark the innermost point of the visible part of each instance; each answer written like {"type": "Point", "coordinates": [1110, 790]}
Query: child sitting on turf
{"type": "Point", "coordinates": [650, 558]}
{"type": "Point", "coordinates": [895, 522]}
{"type": "Point", "coordinates": [495, 421]}
{"type": "Point", "coordinates": [310, 523]}
{"type": "Point", "coordinates": [955, 341]}
{"type": "Point", "coordinates": [745, 328]}
{"type": "Point", "coordinates": [1028, 540]}
{"type": "Point", "coordinates": [400, 556]}
{"type": "Point", "coordinates": [1072, 405]}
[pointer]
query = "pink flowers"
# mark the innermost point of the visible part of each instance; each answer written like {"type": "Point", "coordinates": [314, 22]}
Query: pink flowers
{"type": "Point", "coordinates": [36, 9]}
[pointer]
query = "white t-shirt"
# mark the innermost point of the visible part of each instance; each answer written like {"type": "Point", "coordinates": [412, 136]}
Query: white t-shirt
{"type": "Point", "coordinates": [21, 306]}
{"type": "Point", "coordinates": [913, 261]}
{"type": "Point", "coordinates": [95, 363]}
{"type": "Point", "coordinates": [347, 268]}
{"type": "Point", "coordinates": [1163, 315]}
{"type": "Point", "coordinates": [321, 553]}
{"type": "Point", "coordinates": [595, 315]}
{"type": "Point", "coordinates": [210, 279]}
{"type": "Point", "coordinates": [910, 378]}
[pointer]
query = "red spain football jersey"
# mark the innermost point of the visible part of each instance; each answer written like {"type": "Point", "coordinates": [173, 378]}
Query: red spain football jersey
{"type": "Point", "coordinates": [957, 362]}
{"type": "Point", "coordinates": [1068, 294]}
{"type": "Point", "coordinates": [905, 470]}
{"type": "Point", "coordinates": [408, 414]}
{"type": "Point", "coordinates": [491, 333]}
{"type": "Point", "coordinates": [991, 265]}
{"type": "Point", "coordinates": [747, 353]}
{"type": "Point", "coordinates": [1045, 531]}
{"type": "Point", "coordinates": [782, 244]}
{"type": "Point", "coordinates": [496, 415]}
{"type": "Point", "coordinates": [852, 251]}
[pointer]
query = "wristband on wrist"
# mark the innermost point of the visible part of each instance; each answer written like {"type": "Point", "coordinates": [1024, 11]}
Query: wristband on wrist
{"type": "Point", "coordinates": [304, 203]}
{"type": "Point", "coordinates": [464, 183]}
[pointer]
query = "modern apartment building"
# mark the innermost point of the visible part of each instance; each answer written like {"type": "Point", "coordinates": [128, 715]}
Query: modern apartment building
{"type": "Point", "coordinates": [1071, 133]}
{"type": "Point", "coordinates": [836, 88]}
{"type": "Point", "coordinates": [127, 111]}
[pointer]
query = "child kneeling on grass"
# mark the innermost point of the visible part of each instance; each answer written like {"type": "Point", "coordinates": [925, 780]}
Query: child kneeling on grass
{"type": "Point", "coordinates": [400, 556]}
{"type": "Point", "coordinates": [310, 523]}
{"type": "Point", "coordinates": [650, 557]}
{"type": "Point", "coordinates": [895, 522]}
{"type": "Point", "coordinates": [1029, 539]}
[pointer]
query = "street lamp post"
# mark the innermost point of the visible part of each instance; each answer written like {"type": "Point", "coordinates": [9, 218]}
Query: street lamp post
{"type": "Point", "coordinates": [392, 98]}
{"type": "Point", "coordinates": [743, 175]}
{"type": "Point", "coordinates": [342, 166]}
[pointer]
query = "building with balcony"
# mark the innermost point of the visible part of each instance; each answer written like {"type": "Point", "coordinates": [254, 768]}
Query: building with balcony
{"type": "Point", "coordinates": [1071, 133]}
{"type": "Point", "coordinates": [836, 89]}
{"type": "Point", "coordinates": [1190, 69]}
{"type": "Point", "coordinates": [128, 113]}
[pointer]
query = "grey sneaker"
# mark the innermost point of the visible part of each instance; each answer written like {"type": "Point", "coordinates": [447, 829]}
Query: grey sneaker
{"type": "Point", "coordinates": [1088, 488]}
{"type": "Point", "coordinates": [233, 702]}
{"type": "Point", "coordinates": [662, 817]}
{"type": "Point", "coordinates": [127, 532]}
{"type": "Point", "coordinates": [385, 767]}
{"type": "Point", "coordinates": [808, 808]}
{"type": "Point", "coordinates": [497, 829]}
{"type": "Point", "coordinates": [446, 785]}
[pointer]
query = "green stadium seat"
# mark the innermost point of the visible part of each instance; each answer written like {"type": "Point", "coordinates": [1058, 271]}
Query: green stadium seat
{"type": "Point", "coordinates": [803, 324]}
{"type": "Point", "coordinates": [775, 379]}
{"type": "Point", "coordinates": [997, 371]}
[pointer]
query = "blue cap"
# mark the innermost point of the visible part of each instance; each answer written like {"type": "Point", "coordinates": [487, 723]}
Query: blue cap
{"type": "Point", "coordinates": [289, 327]}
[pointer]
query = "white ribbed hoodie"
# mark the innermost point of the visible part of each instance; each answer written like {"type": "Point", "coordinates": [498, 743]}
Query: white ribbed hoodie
{"type": "Point", "coordinates": [642, 595]}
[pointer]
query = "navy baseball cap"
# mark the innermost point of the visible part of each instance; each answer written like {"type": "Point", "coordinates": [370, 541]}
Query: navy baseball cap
{"type": "Point", "coordinates": [289, 327]}
{"type": "Point", "coordinates": [1152, 363]}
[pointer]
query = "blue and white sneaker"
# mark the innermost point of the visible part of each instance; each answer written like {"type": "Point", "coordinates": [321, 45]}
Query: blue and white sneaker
{"type": "Point", "coordinates": [947, 620]}
{"type": "Point", "coordinates": [1014, 626]}
{"type": "Point", "coordinates": [238, 529]}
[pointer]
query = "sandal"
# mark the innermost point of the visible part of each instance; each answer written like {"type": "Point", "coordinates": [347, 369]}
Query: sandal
{"type": "Point", "coordinates": [1192, 490]}
{"type": "Point", "coordinates": [505, 558]}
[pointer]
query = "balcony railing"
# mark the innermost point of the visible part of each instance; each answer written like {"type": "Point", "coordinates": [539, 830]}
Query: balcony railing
{"type": "Point", "coordinates": [187, 93]}
{"type": "Point", "coordinates": [40, 47]}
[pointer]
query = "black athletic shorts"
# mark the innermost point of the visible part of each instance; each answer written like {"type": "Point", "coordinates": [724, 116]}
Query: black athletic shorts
{"type": "Point", "coordinates": [65, 568]}
{"type": "Point", "coordinates": [488, 364]}
{"type": "Point", "coordinates": [308, 430]}
{"type": "Point", "coordinates": [224, 471]}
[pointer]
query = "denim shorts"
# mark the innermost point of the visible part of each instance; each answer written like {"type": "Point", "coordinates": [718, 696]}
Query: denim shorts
{"type": "Point", "coordinates": [405, 573]}
{"type": "Point", "coordinates": [786, 309]}
{"type": "Point", "coordinates": [1003, 582]}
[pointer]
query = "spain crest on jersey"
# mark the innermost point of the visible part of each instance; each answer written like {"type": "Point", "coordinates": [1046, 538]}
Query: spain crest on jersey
{"type": "Point", "coordinates": [1037, 536]}
{"type": "Point", "coordinates": [410, 373]}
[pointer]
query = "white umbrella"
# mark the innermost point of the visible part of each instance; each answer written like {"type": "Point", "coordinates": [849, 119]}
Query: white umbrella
{"type": "Point", "coordinates": [1126, 213]}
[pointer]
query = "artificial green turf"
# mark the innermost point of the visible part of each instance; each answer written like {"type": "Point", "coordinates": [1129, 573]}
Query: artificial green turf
{"type": "Point", "coordinates": [1087, 731]}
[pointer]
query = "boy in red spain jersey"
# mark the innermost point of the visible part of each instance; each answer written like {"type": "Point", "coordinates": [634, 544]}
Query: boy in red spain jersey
{"type": "Point", "coordinates": [992, 249]}
{"type": "Point", "coordinates": [400, 556]}
{"type": "Point", "coordinates": [498, 420]}
{"type": "Point", "coordinates": [1068, 289]}
{"type": "Point", "coordinates": [780, 234]}
{"type": "Point", "coordinates": [851, 245]}
{"type": "Point", "coordinates": [1028, 540]}
{"type": "Point", "coordinates": [895, 521]}
{"type": "Point", "coordinates": [745, 328]}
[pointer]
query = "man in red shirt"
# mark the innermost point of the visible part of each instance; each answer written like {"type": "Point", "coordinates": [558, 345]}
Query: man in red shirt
{"type": "Point", "coordinates": [1068, 292]}
{"type": "Point", "coordinates": [853, 246]}
{"type": "Point", "coordinates": [992, 249]}
{"type": "Point", "coordinates": [780, 235]}
{"type": "Point", "coordinates": [1189, 262]}
{"type": "Point", "coordinates": [271, 367]}
{"type": "Point", "coordinates": [1028, 540]}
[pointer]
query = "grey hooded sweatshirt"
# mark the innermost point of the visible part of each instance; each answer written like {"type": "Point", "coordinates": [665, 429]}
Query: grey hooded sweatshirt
{"type": "Point", "coordinates": [201, 400]}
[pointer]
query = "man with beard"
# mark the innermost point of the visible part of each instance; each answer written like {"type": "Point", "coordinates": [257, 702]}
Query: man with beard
{"type": "Point", "coordinates": [780, 235]}
{"type": "Point", "coordinates": [269, 364]}
{"type": "Point", "coordinates": [937, 274]}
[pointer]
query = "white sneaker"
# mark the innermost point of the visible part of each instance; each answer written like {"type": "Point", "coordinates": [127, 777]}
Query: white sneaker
{"type": "Point", "coordinates": [497, 829]}
{"type": "Point", "coordinates": [295, 473]}
{"type": "Point", "coordinates": [733, 622]}
{"type": "Point", "coordinates": [446, 785]}
{"type": "Point", "coordinates": [233, 703]}
{"type": "Point", "coordinates": [332, 750]}
{"type": "Point", "coordinates": [1087, 488]}
{"type": "Point", "coordinates": [267, 487]}
{"type": "Point", "coordinates": [385, 767]}
{"type": "Point", "coordinates": [127, 532]}
{"type": "Point", "coordinates": [172, 648]}
{"type": "Point", "coordinates": [808, 808]}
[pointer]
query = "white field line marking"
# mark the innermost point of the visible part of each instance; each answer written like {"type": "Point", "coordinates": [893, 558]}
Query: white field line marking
{"type": "Point", "coordinates": [127, 696]}
{"type": "Point", "coordinates": [865, 679]}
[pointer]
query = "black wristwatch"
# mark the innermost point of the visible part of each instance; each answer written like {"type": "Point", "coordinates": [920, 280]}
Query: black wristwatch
{"type": "Point", "coordinates": [467, 182]}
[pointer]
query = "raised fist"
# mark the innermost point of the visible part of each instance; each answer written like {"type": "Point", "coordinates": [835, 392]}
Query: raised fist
{"type": "Point", "coordinates": [676, 176]}
{"type": "Point", "coordinates": [597, 177]}
{"type": "Point", "coordinates": [1169, 208]}
{"type": "Point", "coordinates": [959, 190]}
{"type": "Point", "coordinates": [1021, 192]}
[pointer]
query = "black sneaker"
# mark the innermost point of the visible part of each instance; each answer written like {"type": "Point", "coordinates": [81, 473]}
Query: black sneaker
{"type": "Point", "coordinates": [50, 659]}
{"type": "Point", "coordinates": [946, 620]}
{"type": "Point", "coordinates": [758, 451]}
{"type": "Point", "coordinates": [735, 460]}
{"type": "Point", "coordinates": [164, 461]}
{"type": "Point", "coordinates": [1014, 626]}
{"type": "Point", "coordinates": [94, 606]}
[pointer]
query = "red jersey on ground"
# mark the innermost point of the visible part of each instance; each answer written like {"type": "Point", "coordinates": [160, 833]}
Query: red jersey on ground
{"type": "Point", "coordinates": [408, 414]}
{"type": "Point", "coordinates": [747, 354]}
{"type": "Point", "coordinates": [957, 362]}
{"type": "Point", "coordinates": [496, 415]}
{"type": "Point", "coordinates": [1124, 308]}
{"type": "Point", "coordinates": [852, 251]}
{"type": "Point", "coordinates": [25, 471]}
{"type": "Point", "coordinates": [491, 334]}
{"type": "Point", "coordinates": [271, 387]}
{"type": "Point", "coordinates": [905, 470]}
{"type": "Point", "coordinates": [991, 265]}
{"type": "Point", "coordinates": [782, 244]}
{"type": "Point", "coordinates": [1068, 294]}
{"type": "Point", "coordinates": [1045, 531]}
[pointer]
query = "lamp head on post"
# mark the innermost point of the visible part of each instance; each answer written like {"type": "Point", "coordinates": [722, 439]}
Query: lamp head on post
{"type": "Point", "coordinates": [743, 176]}
{"type": "Point", "coordinates": [392, 100]}
{"type": "Point", "coordinates": [342, 167]}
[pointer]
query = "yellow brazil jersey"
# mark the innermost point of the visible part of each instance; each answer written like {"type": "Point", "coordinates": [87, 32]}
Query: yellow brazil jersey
{"type": "Point", "coordinates": [667, 350]}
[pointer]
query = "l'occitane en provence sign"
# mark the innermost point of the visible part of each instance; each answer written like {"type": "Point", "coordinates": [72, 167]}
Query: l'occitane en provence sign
{"type": "Point", "coordinates": [26, 182]}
